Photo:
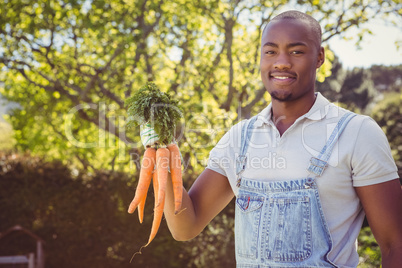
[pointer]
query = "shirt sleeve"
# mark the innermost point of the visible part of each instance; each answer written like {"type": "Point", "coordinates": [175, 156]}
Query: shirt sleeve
{"type": "Point", "coordinates": [222, 158]}
{"type": "Point", "coordinates": [372, 160]}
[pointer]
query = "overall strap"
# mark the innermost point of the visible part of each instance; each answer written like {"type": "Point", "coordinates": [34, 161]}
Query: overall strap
{"type": "Point", "coordinates": [319, 163]}
{"type": "Point", "coordinates": [245, 138]}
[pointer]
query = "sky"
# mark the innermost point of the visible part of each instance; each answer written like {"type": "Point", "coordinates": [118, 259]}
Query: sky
{"type": "Point", "coordinates": [378, 48]}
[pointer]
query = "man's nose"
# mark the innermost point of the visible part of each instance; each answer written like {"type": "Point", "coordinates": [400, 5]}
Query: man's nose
{"type": "Point", "coordinates": [282, 62]}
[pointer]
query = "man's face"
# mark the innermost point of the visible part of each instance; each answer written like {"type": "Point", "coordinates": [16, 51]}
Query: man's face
{"type": "Point", "coordinates": [290, 55]}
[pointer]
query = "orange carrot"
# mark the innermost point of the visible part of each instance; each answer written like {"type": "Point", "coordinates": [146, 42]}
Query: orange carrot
{"type": "Point", "coordinates": [162, 163]}
{"type": "Point", "coordinates": [175, 170]}
{"type": "Point", "coordinates": [147, 166]}
{"type": "Point", "coordinates": [156, 186]}
{"type": "Point", "coordinates": [141, 207]}
{"type": "Point", "coordinates": [158, 213]}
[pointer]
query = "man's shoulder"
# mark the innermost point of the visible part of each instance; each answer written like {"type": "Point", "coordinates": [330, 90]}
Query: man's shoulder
{"type": "Point", "coordinates": [336, 112]}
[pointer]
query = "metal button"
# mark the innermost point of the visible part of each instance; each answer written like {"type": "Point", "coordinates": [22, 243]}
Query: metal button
{"type": "Point", "coordinates": [309, 182]}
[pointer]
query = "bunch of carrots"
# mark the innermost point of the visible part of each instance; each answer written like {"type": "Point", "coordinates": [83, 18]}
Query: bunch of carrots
{"type": "Point", "coordinates": [147, 105]}
{"type": "Point", "coordinates": [163, 158]}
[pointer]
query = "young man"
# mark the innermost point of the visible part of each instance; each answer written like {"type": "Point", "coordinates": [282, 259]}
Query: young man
{"type": "Point", "coordinates": [304, 171]}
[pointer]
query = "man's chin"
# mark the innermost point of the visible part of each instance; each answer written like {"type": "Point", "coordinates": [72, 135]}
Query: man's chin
{"type": "Point", "coordinates": [281, 96]}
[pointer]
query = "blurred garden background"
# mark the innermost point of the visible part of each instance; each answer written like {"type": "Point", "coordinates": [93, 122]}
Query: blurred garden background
{"type": "Point", "coordinates": [68, 165]}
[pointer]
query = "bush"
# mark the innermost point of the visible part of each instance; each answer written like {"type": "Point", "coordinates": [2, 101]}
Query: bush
{"type": "Point", "coordinates": [82, 218]}
{"type": "Point", "coordinates": [84, 222]}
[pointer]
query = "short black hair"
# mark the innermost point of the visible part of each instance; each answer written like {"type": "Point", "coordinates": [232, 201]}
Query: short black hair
{"type": "Point", "coordinates": [297, 15]}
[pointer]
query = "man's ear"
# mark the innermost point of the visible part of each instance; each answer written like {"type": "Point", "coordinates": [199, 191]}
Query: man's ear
{"type": "Point", "coordinates": [321, 57]}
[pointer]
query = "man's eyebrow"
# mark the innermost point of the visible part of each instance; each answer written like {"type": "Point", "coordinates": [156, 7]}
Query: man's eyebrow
{"type": "Point", "coordinates": [270, 44]}
{"type": "Point", "coordinates": [296, 44]}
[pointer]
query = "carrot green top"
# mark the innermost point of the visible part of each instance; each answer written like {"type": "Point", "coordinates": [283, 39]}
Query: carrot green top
{"type": "Point", "coordinates": [151, 106]}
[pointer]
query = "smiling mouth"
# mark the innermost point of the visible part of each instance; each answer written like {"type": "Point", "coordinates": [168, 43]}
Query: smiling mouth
{"type": "Point", "coordinates": [282, 79]}
{"type": "Point", "coordinates": [282, 76]}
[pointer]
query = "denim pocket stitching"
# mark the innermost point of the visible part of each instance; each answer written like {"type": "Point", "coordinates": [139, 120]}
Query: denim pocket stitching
{"type": "Point", "coordinates": [250, 202]}
{"type": "Point", "coordinates": [282, 254]}
{"type": "Point", "coordinates": [249, 209]}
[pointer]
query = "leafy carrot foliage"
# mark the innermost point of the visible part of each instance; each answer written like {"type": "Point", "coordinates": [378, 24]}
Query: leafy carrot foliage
{"type": "Point", "coordinates": [151, 106]}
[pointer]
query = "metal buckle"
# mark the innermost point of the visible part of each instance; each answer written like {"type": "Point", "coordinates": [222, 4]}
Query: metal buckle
{"type": "Point", "coordinates": [318, 163]}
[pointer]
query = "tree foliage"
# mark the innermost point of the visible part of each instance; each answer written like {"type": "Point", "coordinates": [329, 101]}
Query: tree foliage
{"type": "Point", "coordinates": [387, 78]}
{"type": "Point", "coordinates": [6, 140]}
{"type": "Point", "coordinates": [369, 251]}
{"type": "Point", "coordinates": [388, 114]}
{"type": "Point", "coordinates": [360, 88]}
{"type": "Point", "coordinates": [357, 90]}
{"type": "Point", "coordinates": [331, 86]}
{"type": "Point", "coordinates": [71, 65]}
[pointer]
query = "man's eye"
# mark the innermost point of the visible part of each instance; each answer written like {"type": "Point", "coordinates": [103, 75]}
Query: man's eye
{"type": "Point", "coordinates": [297, 52]}
{"type": "Point", "coordinates": [269, 52]}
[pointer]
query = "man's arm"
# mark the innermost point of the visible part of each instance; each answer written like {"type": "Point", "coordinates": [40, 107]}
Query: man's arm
{"type": "Point", "coordinates": [208, 196]}
{"type": "Point", "coordinates": [382, 204]}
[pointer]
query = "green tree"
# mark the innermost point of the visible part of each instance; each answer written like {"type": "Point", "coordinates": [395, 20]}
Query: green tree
{"type": "Point", "coordinates": [71, 64]}
{"type": "Point", "coordinates": [388, 114]}
{"type": "Point", "coordinates": [358, 89]}
{"type": "Point", "coordinates": [354, 89]}
{"type": "Point", "coordinates": [6, 139]}
{"type": "Point", "coordinates": [387, 78]}
{"type": "Point", "coordinates": [332, 85]}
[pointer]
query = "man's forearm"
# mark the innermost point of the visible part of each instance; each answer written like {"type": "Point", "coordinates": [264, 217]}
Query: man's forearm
{"type": "Point", "coordinates": [182, 225]}
{"type": "Point", "coordinates": [210, 193]}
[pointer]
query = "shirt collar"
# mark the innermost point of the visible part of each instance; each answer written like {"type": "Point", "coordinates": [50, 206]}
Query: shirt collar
{"type": "Point", "coordinates": [264, 117]}
{"type": "Point", "coordinates": [317, 112]}
{"type": "Point", "coordinates": [319, 109]}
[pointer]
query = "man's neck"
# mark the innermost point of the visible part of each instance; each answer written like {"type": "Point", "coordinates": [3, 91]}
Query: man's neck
{"type": "Point", "coordinates": [285, 113]}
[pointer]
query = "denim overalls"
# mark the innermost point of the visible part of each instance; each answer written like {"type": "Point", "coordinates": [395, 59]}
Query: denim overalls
{"type": "Point", "coordinates": [281, 223]}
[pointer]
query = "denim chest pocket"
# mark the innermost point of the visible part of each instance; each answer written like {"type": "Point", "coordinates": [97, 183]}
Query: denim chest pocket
{"type": "Point", "coordinates": [247, 222]}
{"type": "Point", "coordinates": [288, 228]}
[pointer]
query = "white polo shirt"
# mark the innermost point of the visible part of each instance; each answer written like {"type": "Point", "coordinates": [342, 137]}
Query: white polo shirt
{"type": "Point", "coordinates": [361, 157]}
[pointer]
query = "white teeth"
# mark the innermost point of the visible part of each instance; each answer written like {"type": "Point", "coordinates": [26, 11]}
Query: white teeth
{"type": "Point", "coordinates": [281, 77]}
